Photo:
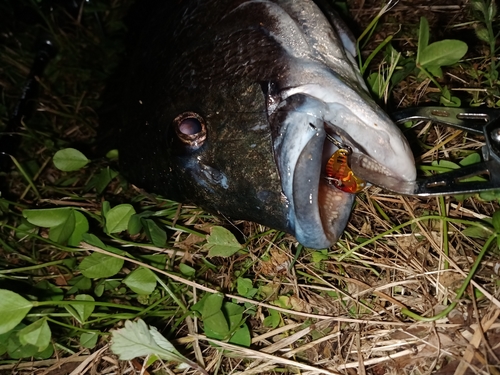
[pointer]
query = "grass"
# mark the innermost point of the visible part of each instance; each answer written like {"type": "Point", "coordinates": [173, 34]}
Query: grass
{"type": "Point", "coordinates": [411, 287]}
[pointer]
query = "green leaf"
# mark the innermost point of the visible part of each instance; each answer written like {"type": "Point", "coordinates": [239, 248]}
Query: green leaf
{"type": "Point", "coordinates": [73, 313]}
{"type": "Point", "coordinates": [112, 154]}
{"type": "Point", "coordinates": [15, 349]}
{"type": "Point", "coordinates": [241, 336]}
{"type": "Point", "coordinates": [102, 180]}
{"type": "Point", "coordinates": [25, 229]}
{"type": "Point", "coordinates": [99, 289]}
{"type": "Point", "coordinates": [423, 37]}
{"type": "Point", "coordinates": [267, 291]}
{"type": "Point", "coordinates": [93, 240]}
{"type": "Point", "coordinates": [106, 206]}
{"type": "Point", "coordinates": [4, 207]}
{"type": "Point", "coordinates": [198, 306]}
{"type": "Point", "coordinates": [136, 340]}
{"type": "Point", "coordinates": [222, 242]}
{"type": "Point", "coordinates": [49, 217]}
{"type": "Point", "coordinates": [234, 313]}
{"type": "Point", "coordinates": [79, 283]}
{"type": "Point", "coordinates": [446, 164]}
{"type": "Point", "coordinates": [490, 195]}
{"type": "Point", "coordinates": [435, 70]}
{"type": "Point", "coordinates": [452, 101]}
{"type": "Point", "coordinates": [81, 227]}
{"type": "Point", "coordinates": [482, 33]}
{"type": "Point", "coordinates": [134, 225]}
{"type": "Point", "coordinates": [150, 360]}
{"type": "Point", "coordinates": [406, 68]}
{"type": "Point", "coordinates": [83, 310]}
{"type": "Point", "coordinates": [61, 233]}
{"type": "Point", "coordinates": [374, 81]}
{"type": "Point", "coordinates": [89, 339]}
{"type": "Point", "coordinates": [214, 321]}
{"type": "Point", "coordinates": [100, 265]}
{"type": "Point", "coordinates": [245, 287]}
{"type": "Point", "coordinates": [45, 354]}
{"type": "Point", "coordinates": [13, 309]}
{"type": "Point", "coordinates": [216, 326]}
{"type": "Point", "coordinates": [69, 159]}
{"type": "Point", "coordinates": [155, 260]}
{"type": "Point", "coordinates": [135, 222]}
{"type": "Point", "coordinates": [470, 159]}
{"type": "Point", "coordinates": [492, 10]}
{"type": "Point", "coordinates": [443, 53]}
{"type": "Point", "coordinates": [37, 334]}
{"type": "Point", "coordinates": [212, 305]}
{"type": "Point", "coordinates": [479, 6]}
{"type": "Point", "coordinates": [187, 270]}
{"type": "Point", "coordinates": [319, 256]}
{"type": "Point", "coordinates": [118, 217]}
{"type": "Point", "coordinates": [155, 234]}
{"type": "Point", "coordinates": [3, 342]}
{"type": "Point", "coordinates": [273, 320]}
{"type": "Point", "coordinates": [477, 232]}
{"type": "Point", "coordinates": [496, 221]}
{"type": "Point", "coordinates": [141, 281]}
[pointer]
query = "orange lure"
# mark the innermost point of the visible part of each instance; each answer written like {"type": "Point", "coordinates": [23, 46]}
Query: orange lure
{"type": "Point", "coordinates": [339, 174]}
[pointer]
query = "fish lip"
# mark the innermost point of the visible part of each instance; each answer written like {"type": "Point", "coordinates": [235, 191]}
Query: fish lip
{"type": "Point", "coordinates": [323, 205]}
{"type": "Point", "coordinates": [299, 144]}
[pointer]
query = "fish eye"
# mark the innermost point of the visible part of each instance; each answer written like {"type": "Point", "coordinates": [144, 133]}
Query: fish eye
{"type": "Point", "coordinates": [190, 128]}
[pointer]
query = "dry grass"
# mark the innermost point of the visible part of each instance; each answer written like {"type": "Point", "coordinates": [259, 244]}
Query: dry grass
{"type": "Point", "coordinates": [341, 310]}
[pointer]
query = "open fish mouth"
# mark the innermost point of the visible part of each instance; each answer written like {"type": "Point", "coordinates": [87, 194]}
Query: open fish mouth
{"type": "Point", "coordinates": [318, 211]}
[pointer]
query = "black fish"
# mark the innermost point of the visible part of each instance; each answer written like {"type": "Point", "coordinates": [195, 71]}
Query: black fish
{"type": "Point", "coordinates": [228, 107]}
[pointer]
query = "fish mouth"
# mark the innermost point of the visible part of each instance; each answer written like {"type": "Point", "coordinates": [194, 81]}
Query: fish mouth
{"type": "Point", "coordinates": [318, 211]}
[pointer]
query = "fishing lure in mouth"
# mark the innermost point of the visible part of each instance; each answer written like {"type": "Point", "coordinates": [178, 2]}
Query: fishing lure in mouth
{"type": "Point", "coordinates": [338, 173]}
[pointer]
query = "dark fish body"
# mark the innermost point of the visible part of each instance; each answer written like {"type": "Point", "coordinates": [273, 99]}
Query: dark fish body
{"type": "Point", "coordinates": [228, 106]}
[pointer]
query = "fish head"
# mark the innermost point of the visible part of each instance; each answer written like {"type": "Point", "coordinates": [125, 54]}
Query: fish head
{"type": "Point", "coordinates": [231, 112]}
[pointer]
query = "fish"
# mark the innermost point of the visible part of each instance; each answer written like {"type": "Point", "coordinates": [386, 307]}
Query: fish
{"type": "Point", "coordinates": [229, 105]}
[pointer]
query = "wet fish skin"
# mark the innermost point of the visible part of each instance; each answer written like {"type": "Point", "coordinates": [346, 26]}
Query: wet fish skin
{"type": "Point", "coordinates": [265, 76]}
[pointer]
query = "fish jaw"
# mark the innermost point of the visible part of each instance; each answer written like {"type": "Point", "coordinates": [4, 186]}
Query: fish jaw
{"type": "Point", "coordinates": [319, 212]}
